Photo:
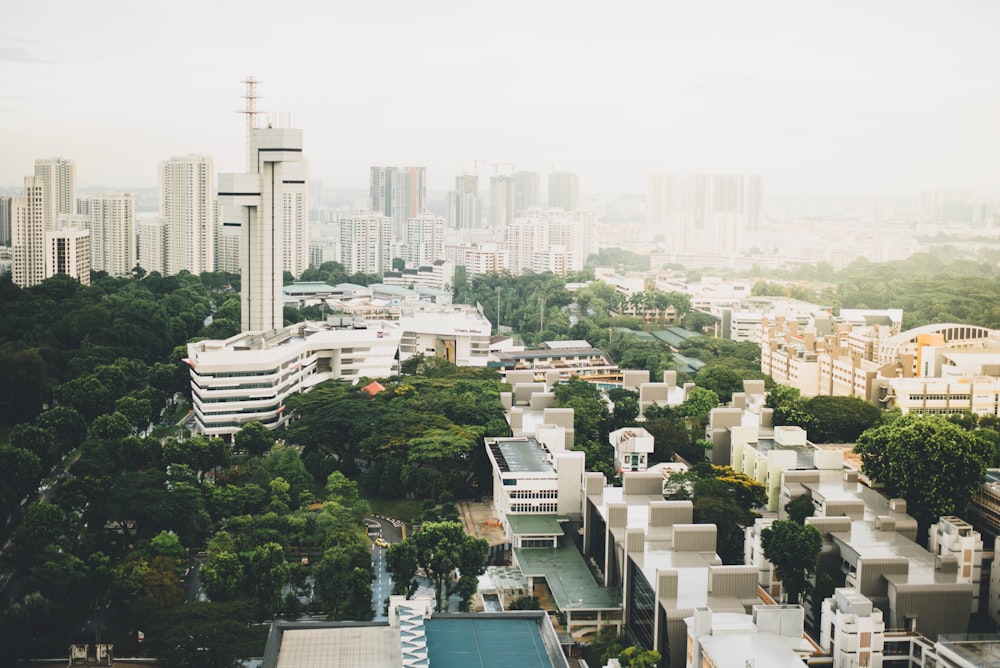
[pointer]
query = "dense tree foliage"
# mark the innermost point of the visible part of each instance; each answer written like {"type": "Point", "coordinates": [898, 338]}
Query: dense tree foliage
{"type": "Point", "coordinates": [931, 462]}
{"type": "Point", "coordinates": [421, 435]}
{"type": "Point", "coordinates": [793, 549]}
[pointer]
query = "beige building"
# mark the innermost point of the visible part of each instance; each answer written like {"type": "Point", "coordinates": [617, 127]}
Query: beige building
{"type": "Point", "coordinates": [68, 252]}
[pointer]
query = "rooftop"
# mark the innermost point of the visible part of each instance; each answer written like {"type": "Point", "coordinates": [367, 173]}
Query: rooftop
{"type": "Point", "coordinates": [568, 576]}
{"type": "Point", "coordinates": [521, 455]}
{"type": "Point", "coordinates": [489, 643]}
{"type": "Point", "coordinates": [524, 525]}
{"type": "Point", "coordinates": [978, 651]}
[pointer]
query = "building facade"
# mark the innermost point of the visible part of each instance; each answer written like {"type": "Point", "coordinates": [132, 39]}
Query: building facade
{"type": "Point", "coordinates": [112, 224]}
{"type": "Point", "coordinates": [67, 251]}
{"type": "Point", "coordinates": [187, 191]}
{"type": "Point", "coordinates": [366, 242]}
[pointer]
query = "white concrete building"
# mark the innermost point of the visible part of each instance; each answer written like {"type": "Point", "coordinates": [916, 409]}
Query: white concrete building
{"type": "Point", "coordinates": [28, 234]}
{"type": "Point", "coordinates": [151, 234]}
{"type": "Point", "coordinates": [249, 376]}
{"type": "Point", "coordinates": [458, 333]}
{"type": "Point", "coordinates": [550, 240]}
{"type": "Point", "coordinates": [112, 224]}
{"type": "Point", "coordinates": [365, 242]}
{"type": "Point", "coordinates": [58, 182]}
{"type": "Point", "coordinates": [266, 202]}
{"type": "Point", "coordinates": [632, 446]}
{"type": "Point", "coordinates": [423, 240]}
{"type": "Point", "coordinates": [68, 252]}
{"type": "Point", "coordinates": [187, 191]}
{"type": "Point", "coordinates": [852, 630]}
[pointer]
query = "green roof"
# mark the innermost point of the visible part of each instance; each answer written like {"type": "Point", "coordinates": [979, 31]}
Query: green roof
{"type": "Point", "coordinates": [486, 643]}
{"type": "Point", "coordinates": [568, 576]}
{"type": "Point", "coordinates": [524, 525]}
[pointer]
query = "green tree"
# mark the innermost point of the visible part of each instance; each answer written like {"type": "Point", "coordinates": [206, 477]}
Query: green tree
{"type": "Point", "coordinates": [254, 439]}
{"type": "Point", "coordinates": [800, 508]}
{"type": "Point", "coordinates": [721, 380]}
{"type": "Point", "coordinates": [698, 404]}
{"type": "Point", "coordinates": [401, 562]}
{"type": "Point", "coordinates": [932, 463]}
{"type": "Point", "coordinates": [525, 603]}
{"type": "Point", "coordinates": [343, 581]}
{"type": "Point", "coordinates": [637, 657]}
{"type": "Point", "coordinates": [223, 575]}
{"type": "Point", "coordinates": [839, 419]}
{"type": "Point", "coordinates": [443, 547]}
{"type": "Point", "coordinates": [793, 549]}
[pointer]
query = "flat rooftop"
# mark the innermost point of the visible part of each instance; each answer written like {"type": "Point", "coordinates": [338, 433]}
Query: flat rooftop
{"type": "Point", "coordinates": [370, 646]}
{"type": "Point", "coordinates": [981, 651]}
{"type": "Point", "coordinates": [870, 543]}
{"type": "Point", "coordinates": [803, 453]}
{"type": "Point", "coordinates": [521, 456]}
{"type": "Point", "coordinates": [487, 643]}
{"type": "Point", "coordinates": [568, 576]}
{"type": "Point", "coordinates": [534, 525]}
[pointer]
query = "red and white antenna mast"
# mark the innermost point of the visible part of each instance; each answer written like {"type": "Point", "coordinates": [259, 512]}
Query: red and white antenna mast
{"type": "Point", "coordinates": [250, 111]}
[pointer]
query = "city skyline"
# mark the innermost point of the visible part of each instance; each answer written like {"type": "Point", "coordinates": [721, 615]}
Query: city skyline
{"type": "Point", "coordinates": [841, 100]}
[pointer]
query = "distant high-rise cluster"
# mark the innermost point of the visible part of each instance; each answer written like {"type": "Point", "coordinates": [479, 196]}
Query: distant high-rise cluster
{"type": "Point", "coordinates": [399, 193]}
{"type": "Point", "coordinates": [709, 213]}
{"type": "Point", "coordinates": [463, 204]}
{"type": "Point", "coordinates": [365, 238]}
{"type": "Point", "coordinates": [49, 193]}
{"type": "Point", "coordinates": [110, 218]}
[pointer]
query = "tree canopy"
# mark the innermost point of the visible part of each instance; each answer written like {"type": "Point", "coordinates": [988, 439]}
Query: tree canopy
{"type": "Point", "coordinates": [931, 462]}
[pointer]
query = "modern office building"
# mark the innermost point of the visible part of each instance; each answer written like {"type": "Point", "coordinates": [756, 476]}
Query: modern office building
{"type": "Point", "coordinates": [187, 208]}
{"type": "Point", "coordinates": [366, 242]}
{"type": "Point", "coordinates": [564, 191]}
{"type": "Point", "coordinates": [463, 204]}
{"type": "Point", "coordinates": [67, 251]}
{"type": "Point", "coordinates": [111, 219]}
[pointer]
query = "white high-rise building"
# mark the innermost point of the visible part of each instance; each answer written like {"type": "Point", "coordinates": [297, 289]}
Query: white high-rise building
{"type": "Point", "coordinates": [151, 244]}
{"type": "Point", "coordinates": [67, 251]}
{"type": "Point", "coordinates": [265, 202]}
{"type": "Point", "coordinates": [187, 188]}
{"type": "Point", "coordinates": [502, 202]}
{"type": "Point", "coordinates": [111, 221]}
{"type": "Point", "coordinates": [424, 240]}
{"type": "Point", "coordinates": [550, 240]}
{"type": "Point", "coordinates": [28, 234]}
{"type": "Point", "coordinates": [365, 242]}
{"type": "Point", "coordinates": [295, 217]}
{"type": "Point", "coordinates": [5, 221]}
{"type": "Point", "coordinates": [58, 178]}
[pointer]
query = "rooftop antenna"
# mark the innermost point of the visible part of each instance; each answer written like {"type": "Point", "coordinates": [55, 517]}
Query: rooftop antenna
{"type": "Point", "coordinates": [250, 111]}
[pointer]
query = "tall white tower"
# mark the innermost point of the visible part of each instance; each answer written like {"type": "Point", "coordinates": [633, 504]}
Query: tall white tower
{"type": "Point", "coordinates": [188, 213]}
{"type": "Point", "coordinates": [28, 233]}
{"type": "Point", "coordinates": [255, 202]}
{"type": "Point", "coordinates": [58, 179]}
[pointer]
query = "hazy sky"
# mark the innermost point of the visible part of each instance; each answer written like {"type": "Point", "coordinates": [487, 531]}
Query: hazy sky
{"type": "Point", "coordinates": [831, 98]}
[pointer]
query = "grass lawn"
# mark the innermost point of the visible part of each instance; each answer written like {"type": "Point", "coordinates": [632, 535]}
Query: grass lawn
{"type": "Point", "coordinates": [403, 509]}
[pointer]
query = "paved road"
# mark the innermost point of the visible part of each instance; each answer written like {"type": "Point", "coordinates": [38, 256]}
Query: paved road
{"type": "Point", "coordinates": [391, 531]}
